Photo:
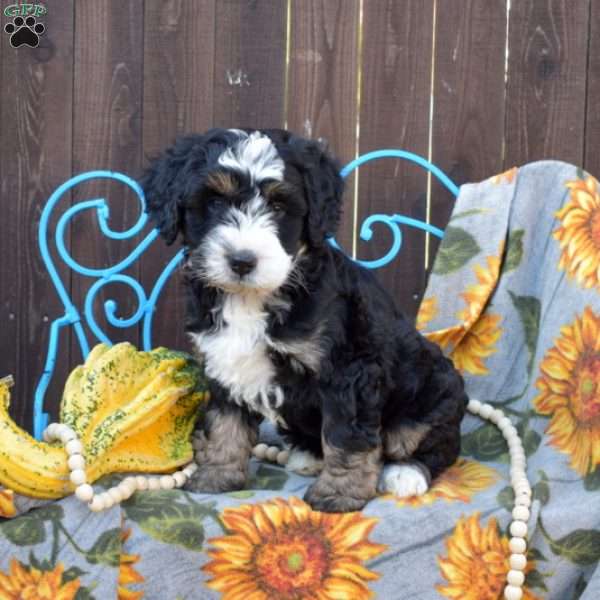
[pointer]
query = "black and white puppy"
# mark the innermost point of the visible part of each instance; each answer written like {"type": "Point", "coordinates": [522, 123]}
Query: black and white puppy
{"type": "Point", "coordinates": [292, 330]}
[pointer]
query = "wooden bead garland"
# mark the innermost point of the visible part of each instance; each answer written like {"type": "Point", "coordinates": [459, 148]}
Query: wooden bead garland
{"type": "Point", "coordinates": [520, 484]}
{"type": "Point", "coordinates": [85, 492]}
{"type": "Point", "coordinates": [522, 488]}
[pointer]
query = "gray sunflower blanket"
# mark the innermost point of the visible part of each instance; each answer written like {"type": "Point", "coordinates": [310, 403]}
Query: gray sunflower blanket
{"type": "Point", "coordinates": [514, 299]}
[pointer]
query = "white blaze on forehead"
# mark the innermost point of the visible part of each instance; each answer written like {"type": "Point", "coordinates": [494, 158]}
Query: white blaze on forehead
{"type": "Point", "coordinates": [254, 154]}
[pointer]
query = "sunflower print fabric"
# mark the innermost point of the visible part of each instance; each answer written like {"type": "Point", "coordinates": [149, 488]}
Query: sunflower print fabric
{"type": "Point", "coordinates": [514, 300]}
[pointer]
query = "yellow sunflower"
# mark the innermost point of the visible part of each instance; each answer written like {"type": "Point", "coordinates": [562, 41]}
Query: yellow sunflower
{"type": "Point", "coordinates": [460, 482]}
{"type": "Point", "coordinates": [127, 574]}
{"type": "Point", "coordinates": [475, 337]}
{"type": "Point", "coordinates": [7, 504]}
{"type": "Point", "coordinates": [477, 562]}
{"type": "Point", "coordinates": [27, 582]}
{"type": "Point", "coordinates": [427, 311]}
{"type": "Point", "coordinates": [478, 343]}
{"type": "Point", "coordinates": [477, 295]}
{"type": "Point", "coordinates": [506, 177]}
{"type": "Point", "coordinates": [282, 550]}
{"type": "Point", "coordinates": [579, 233]}
{"type": "Point", "coordinates": [569, 392]}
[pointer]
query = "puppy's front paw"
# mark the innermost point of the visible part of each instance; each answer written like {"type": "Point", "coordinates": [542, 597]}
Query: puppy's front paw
{"type": "Point", "coordinates": [321, 496]}
{"type": "Point", "coordinates": [214, 480]}
{"type": "Point", "coordinates": [402, 481]}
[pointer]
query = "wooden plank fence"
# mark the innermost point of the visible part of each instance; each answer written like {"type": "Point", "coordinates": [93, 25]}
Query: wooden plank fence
{"type": "Point", "coordinates": [477, 86]}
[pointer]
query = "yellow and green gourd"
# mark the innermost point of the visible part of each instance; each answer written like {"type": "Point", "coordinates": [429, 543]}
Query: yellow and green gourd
{"type": "Point", "coordinates": [133, 412]}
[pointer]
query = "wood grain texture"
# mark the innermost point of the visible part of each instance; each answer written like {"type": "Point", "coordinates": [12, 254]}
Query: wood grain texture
{"type": "Point", "coordinates": [107, 135]}
{"type": "Point", "coordinates": [323, 82]}
{"type": "Point", "coordinates": [178, 99]}
{"type": "Point", "coordinates": [545, 116]}
{"type": "Point", "coordinates": [591, 160]}
{"type": "Point", "coordinates": [35, 157]}
{"type": "Point", "coordinates": [469, 91]}
{"type": "Point", "coordinates": [396, 65]}
{"type": "Point", "coordinates": [249, 68]}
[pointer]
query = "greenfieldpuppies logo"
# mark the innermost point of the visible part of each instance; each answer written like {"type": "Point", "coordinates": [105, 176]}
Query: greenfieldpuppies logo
{"type": "Point", "coordinates": [25, 29]}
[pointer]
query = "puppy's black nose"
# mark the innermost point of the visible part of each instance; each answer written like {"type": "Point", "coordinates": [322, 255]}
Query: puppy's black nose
{"type": "Point", "coordinates": [242, 262]}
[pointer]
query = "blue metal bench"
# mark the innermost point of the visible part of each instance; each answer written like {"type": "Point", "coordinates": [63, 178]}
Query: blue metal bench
{"type": "Point", "coordinates": [73, 317]}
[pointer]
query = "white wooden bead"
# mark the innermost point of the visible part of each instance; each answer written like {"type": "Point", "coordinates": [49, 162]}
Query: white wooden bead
{"type": "Point", "coordinates": [107, 500]}
{"type": "Point", "coordinates": [126, 489]}
{"type": "Point", "coordinates": [115, 495]}
{"type": "Point", "coordinates": [74, 447]}
{"type": "Point", "coordinates": [272, 453]}
{"type": "Point", "coordinates": [97, 504]}
{"type": "Point", "coordinates": [474, 406]}
{"type": "Point", "coordinates": [141, 482]}
{"type": "Point", "coordinates": [518, 529]}
{"type": "Point", "coordinates": [67, 435]}
{"type": "Point", "coordinates": [510, 433]}
{"type": "Point", "coordinates": [153, 483]}
{"type": "Point", "coordinates": [84, 492]}
{"type": "Point", "coordinates": [283, 457]}
{"type": "Point", "coordinates": [518, 459]}
{"type": "Point", "coordinates": [512, 592]}
{"type": "Point", "coordinates": [260, 451]}
{"type": "Point", "coordinates": [517, 545]}
{"type": "Point", "coordinates": [52, 430]}
{"type": "Point", "coordinates": [516, 578]}
{"type": "Point", "coordinates": [77, 477]}
{"type": "Point", "coordinates": [179, 478]}
{"type": "Point", "coordinates": [517, 561]}
{"type": "Point", "coordinates": [523, 490]}
{"type": "Point", "coordinates": [486, 410]}
{"type": "Point", "coordinates": [167, 482]}
{"type": "Point", "coordinates": [190, 469]}
{"type": "Point", "coordinates": [76, 461]}
{"type": "Point", "coordinates": [496, 416]}
{"type": "Point", "coordinates": [504, 423]}
{"type": "Point", "coordinates": [523, 501]}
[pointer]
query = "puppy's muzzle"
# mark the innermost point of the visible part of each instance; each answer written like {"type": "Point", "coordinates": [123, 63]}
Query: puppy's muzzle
{"type": "Point", "coordinates": [242, 262]}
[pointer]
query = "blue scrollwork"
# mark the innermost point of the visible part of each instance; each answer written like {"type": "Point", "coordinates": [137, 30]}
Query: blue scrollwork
{"type": "Point", "coordinates": [146, 304]}
{"type": "Point", "coordinates": [393, 222]}
{"type": "Point", "coordinates": [112, 274]}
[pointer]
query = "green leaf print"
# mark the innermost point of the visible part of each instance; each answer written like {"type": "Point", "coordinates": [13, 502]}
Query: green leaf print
{"type": "Point", "coordinates": [485, 443]}
{"type": "Point", "coordinates": [457, 248]}
{"type": "Point", "coordinates": [514, 252]}
{"type": "Point", "coordinates": [535, 579]}
{"type": "Point", "coordinates": [165, 517]}
{"type": "Point", "coordinates": [27, 530]}
{"type": "Point", "coordinates": [107, 549]}
{"type": "Point", "coordinates": [581, 547]}
{"type": "Point", "coordinates": [529, 309]}
{"type": "Point", "coordinates": [506, 498]}
{"type": "Point", "coordinates": [592, 480]}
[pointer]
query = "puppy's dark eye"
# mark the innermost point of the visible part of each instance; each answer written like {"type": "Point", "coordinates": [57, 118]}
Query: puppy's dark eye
{"type": "Point", "coordinates": [277, 207]}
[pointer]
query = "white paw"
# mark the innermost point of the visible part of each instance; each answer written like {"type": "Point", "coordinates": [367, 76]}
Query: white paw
{"type": "Point", "coordinates": [402, 481]}
{"type": "Point", "coordinates": [304, 463]}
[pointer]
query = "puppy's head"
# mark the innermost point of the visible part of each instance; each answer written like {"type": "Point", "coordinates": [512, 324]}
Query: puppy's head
{"type": "Point", "coordinates": [246, 203]}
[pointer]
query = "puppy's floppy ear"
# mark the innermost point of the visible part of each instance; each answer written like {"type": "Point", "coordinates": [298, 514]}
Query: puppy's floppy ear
{"type": "Point", "coordinates": [324, 190]}
{"type": "Point", "coordinates": [171, 178]}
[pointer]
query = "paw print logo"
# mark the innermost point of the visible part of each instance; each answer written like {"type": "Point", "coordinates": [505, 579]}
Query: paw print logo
{"type": "Point", "coordinates": [24, 32]}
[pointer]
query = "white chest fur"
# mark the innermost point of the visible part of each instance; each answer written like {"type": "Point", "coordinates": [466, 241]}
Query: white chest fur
{"type": "Point", "coordinates": [236, 355]}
